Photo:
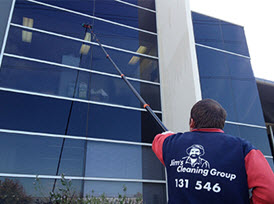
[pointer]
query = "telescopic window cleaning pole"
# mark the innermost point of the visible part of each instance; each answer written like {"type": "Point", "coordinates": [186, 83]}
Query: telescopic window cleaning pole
{"type": "Point", "coordinates": [145, 105]}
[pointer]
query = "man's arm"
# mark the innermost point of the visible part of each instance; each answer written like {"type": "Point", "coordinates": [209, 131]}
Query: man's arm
{"type": "Point", "coordinates": [260, 178]}
{"type": "Point", "coordinates": [157, 144]}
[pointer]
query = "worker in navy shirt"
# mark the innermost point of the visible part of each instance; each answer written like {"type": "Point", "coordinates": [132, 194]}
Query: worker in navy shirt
{"type": "Point", "coordinates": [206, 165]}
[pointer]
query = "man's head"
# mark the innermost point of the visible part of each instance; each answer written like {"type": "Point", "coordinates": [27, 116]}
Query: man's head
{"type": "Point", "coordinates": [207, 113]}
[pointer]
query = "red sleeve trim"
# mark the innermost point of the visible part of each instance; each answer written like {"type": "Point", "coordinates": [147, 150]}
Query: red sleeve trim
{"type": "Point", "coordinates": [260, 177]}
{"type": "Point", "coordinates": [157, 145]}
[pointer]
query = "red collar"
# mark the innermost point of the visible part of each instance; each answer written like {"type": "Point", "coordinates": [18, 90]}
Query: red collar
{"type": "Point", "coordinates": [208, 130]}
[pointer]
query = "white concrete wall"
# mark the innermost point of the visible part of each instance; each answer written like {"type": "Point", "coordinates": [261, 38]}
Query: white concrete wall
{"type": "Point", "coordinates": [179, 77]}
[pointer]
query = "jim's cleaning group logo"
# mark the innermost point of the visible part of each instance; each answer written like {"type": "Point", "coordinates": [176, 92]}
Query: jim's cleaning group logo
{"type": "Point", "coordinates": [195, 164]}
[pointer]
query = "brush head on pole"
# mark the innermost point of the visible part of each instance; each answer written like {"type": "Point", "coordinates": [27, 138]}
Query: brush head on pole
{"type": "Point", "coordinates": [85, 25]}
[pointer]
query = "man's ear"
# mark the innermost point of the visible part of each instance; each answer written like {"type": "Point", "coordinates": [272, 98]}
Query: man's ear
{"type": "Point", "coordinates": [191, 124]}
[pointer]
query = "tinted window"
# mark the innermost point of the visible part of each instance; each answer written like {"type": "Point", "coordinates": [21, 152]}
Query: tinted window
{"type": "Point", "coordinates": [154, 193]}
{"type": "Point", "coordinates": [150, 4]}
{"type": "Point", "coordinates": [125, 38]}
{"type": "Point", "coordinates": [247, 102]}
{"type": "Point", "coordinates": [257, 136]}
{"type": "Point", "coordinates": [113, 160]}
{"type": "Point", "coordinates": [131, 65]}
{"type": "Point", "coordinates": [150, 164]}
{"type": "Point", "coordinates": [240, 67]}
{"type": "Point", "coordinates": [33, 113]}
{"type": "Point", "coordinates": [52, 19]}
{"type": "Point", "coordinates": [234, 38]}
{"type": "Point", "coordinates": [83, 6]}
{"type": "Point", "coordinates": [112, 189]}
{"type": "Point", "coordinates": [122, 124]}
{"type": "Point", "coordinates": [125, 14]}
{"type": "Point", "coordinates": [207, 30]}
{"type": "Point", "coordinates": [26, 154]}
{"type": "Point", "coordinates": [212, 63]}
{"type": "Point", "coordinates": [48, 79]}
{"type": "Point", "coordinates": [220, 90]}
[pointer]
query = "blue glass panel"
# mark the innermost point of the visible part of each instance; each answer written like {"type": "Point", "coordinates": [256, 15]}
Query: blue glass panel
{"type": "Point", "coordinates": [234, 38]}
{"type": "Point", "coordinates": [232, 129]}
{"type": "Point", "coordinates": [50, 48]}
{"type": "Point", "coordinates": [33, 113]}
{"type": "Point", "coordinates": [114, 123]}
{"type": "Point", "coordinates": [70, 24]}
{"type": "Point", "coordinates": [126, 38]}
{"type": "Point", "coordinates": [212, 63]}
{"type": "Point", "coordinates": [51, 19]}
{"type": "Point", "coordinates": [37, 77]}
{"type": "Point", "coordinates": [220, 90]}
{"type": "Point", "coordinates": [152, 168]}
{"type": "Point", "coordinates": [132, 66]}
{"type": "Point", "coordinates": [5, 11]}
{"type": "Point", "coordinates": [125, 14]}
{"type": "Point", "coordinates": [25, 154]}
{"type": "Point", "coordinates": [122, 124]}
{"type": "Point", "coordinates": [48, 79]}
{"type": "Point", "coordinates": [240, 67]}
{"type": "Point", "coordinates": [207, 30]}
{"type": "Point", "coordinates": [150, 128]}
{"type": "Point", "coordinates": [270, 161]}
{"type": "Point", "coordinates": [83, 6]}
{"type": "Point", "coordinates": [154, 193]}
{"type": "Point", "coordinates": [112, 189]}
{"type": "Point", "coordinates": [36, 190]}
{"type": "Point", "coordinates": [150, 4]}
{"type": "Point", "coordinates": [113, 160]}
{"type": "Point", "coordinates": [68, 52]}
{"type": "Point", "coordinates": [247, 102]}
{"type": "Point", "coordinates": [257, 136]}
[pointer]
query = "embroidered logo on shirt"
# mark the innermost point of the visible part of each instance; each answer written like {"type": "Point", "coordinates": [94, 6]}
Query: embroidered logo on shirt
{"type": "Point", "coordinates": [195, 164]}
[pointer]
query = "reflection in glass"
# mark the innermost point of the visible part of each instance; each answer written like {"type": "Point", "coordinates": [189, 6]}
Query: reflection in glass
{"type": "Point", "coordinates": [113, 160]}
{"type": "Point", "coordinates": [113, 189]}
{"type": "Point", "coordinates": [25, 154]}
{"type": "Point", "coordinates": [39, 190]}
{"type": "Point", "coordinates": [125, 38]}
{"type": "Point", "coordinates": [51, 19]}
{"type": "Point", "coordinates": [69, 52]}
{"type": "Point", "coordinates": [131, 65]}
{"type": "Point", "coordinates": [49, 79]}
{"type": "Point", "coordinates": [66, 23]}
{"type": "Point", "coordinates": [125, 14]}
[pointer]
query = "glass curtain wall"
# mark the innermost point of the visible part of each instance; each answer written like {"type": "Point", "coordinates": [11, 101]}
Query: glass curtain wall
{"type": "Point", "coordinates": [64, 109]}
{"type": "Point", "coordinates": [226, 76]}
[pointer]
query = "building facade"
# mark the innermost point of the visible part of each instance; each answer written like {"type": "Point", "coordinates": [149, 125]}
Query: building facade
{"type": "Point", "coordinates": [65, 110]}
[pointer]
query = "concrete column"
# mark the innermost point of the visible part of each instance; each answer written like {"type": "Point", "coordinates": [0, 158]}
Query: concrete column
{"type": "Point", "coordinates": [179, 77]}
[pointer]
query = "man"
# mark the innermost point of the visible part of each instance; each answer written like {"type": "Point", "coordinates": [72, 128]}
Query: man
{"type": "Point", "coordinates": [235, 165]}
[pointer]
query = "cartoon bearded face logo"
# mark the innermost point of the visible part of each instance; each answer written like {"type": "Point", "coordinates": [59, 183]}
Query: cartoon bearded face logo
{"type": "Point", "coordinates": [194, 153]}
{"type": "Point", "coordinates": [194, 158]}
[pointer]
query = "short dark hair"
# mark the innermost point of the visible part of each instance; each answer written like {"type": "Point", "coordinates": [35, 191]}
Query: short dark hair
{"type": "Point", "coordinates": [208, 113]}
